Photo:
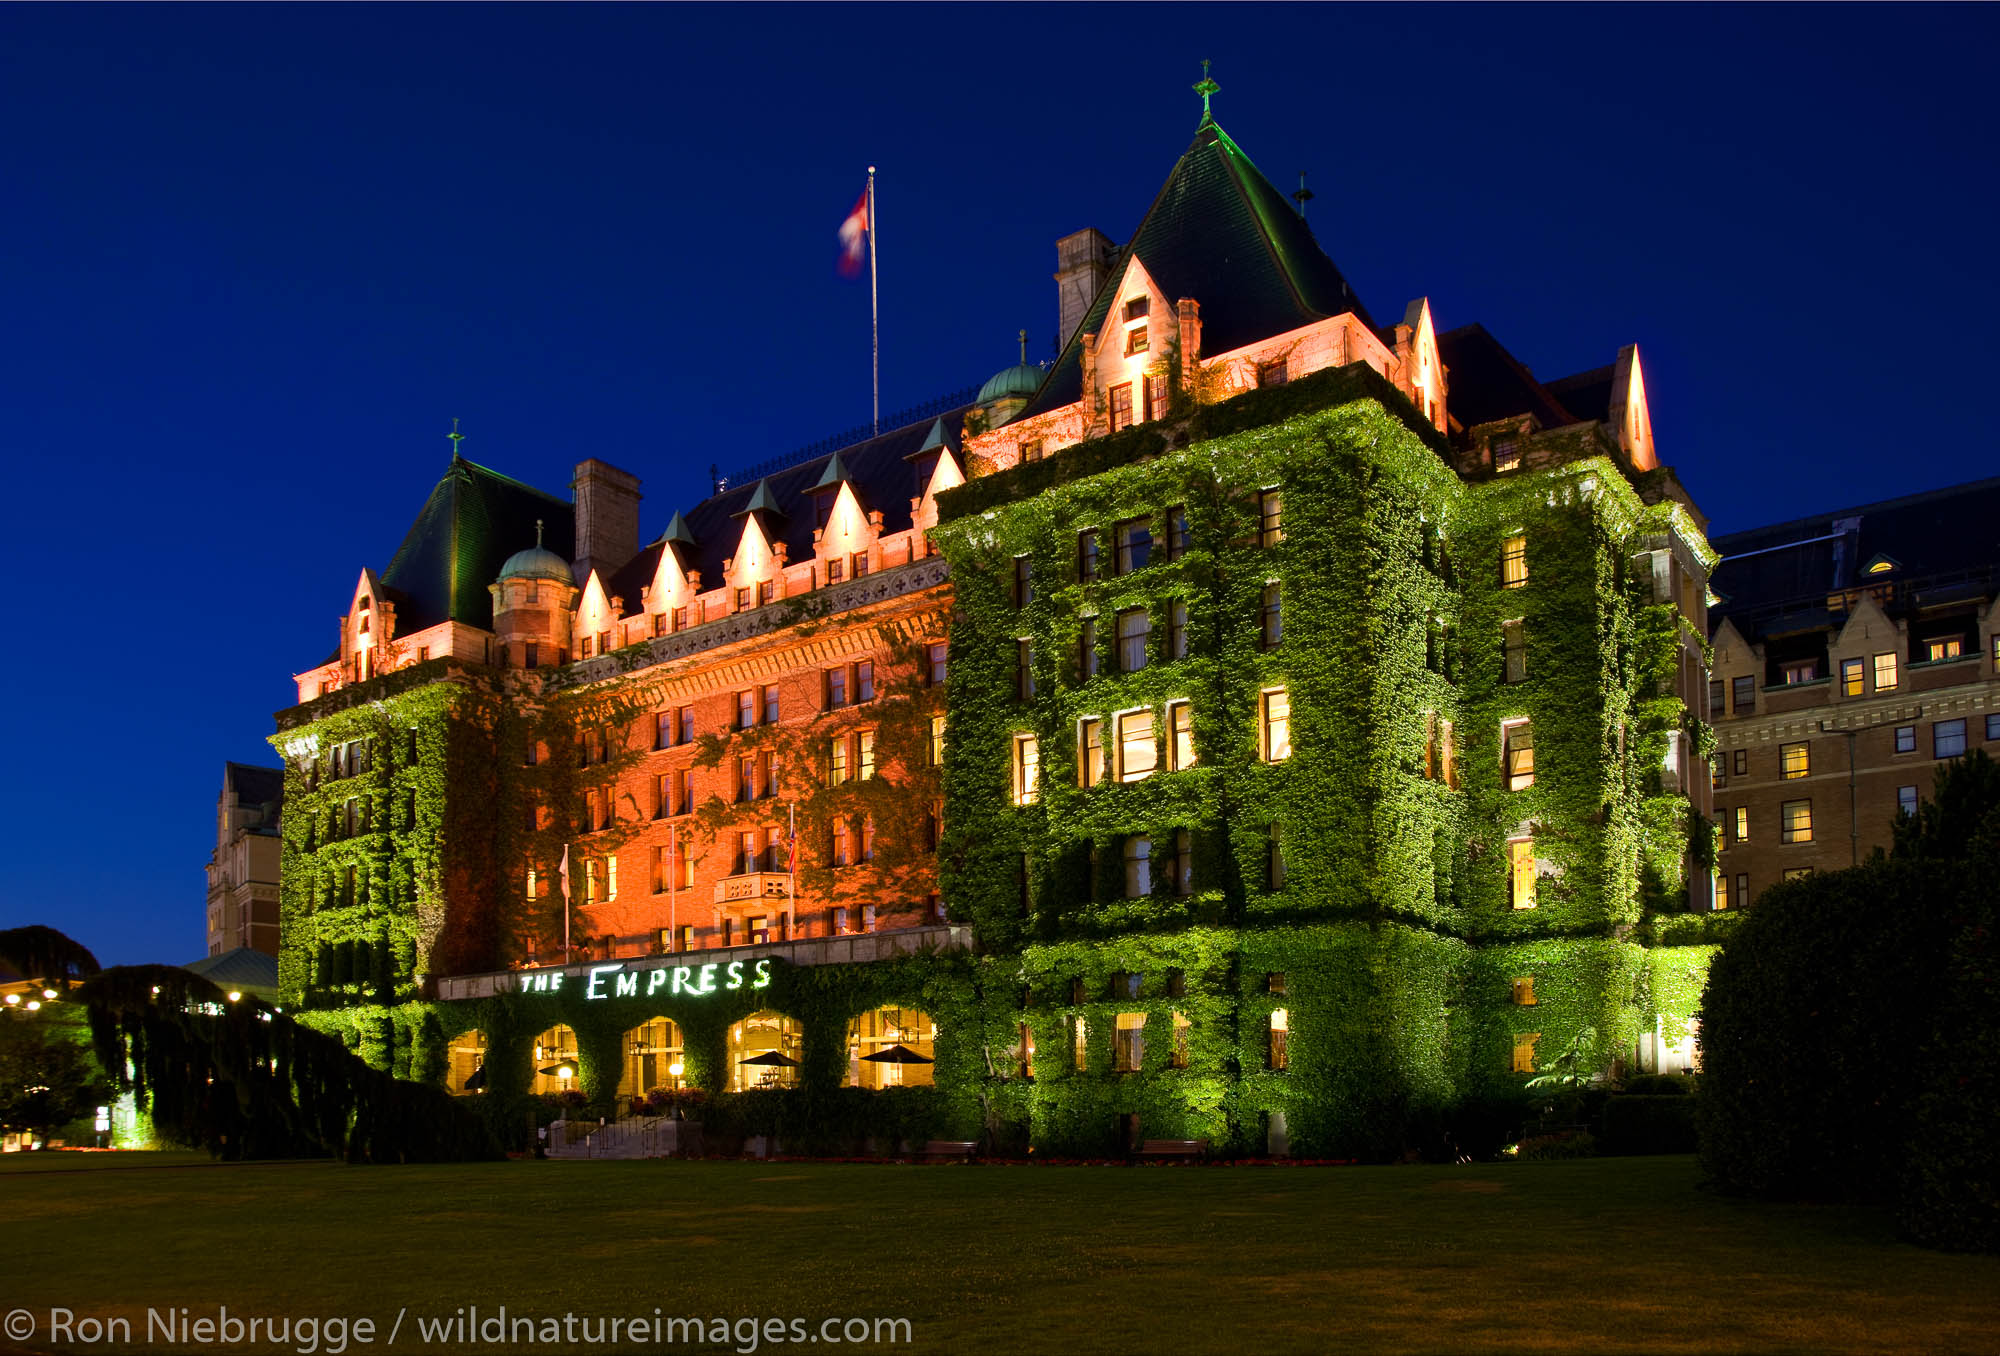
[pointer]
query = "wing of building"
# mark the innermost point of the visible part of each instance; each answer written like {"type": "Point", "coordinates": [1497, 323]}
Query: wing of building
{"type": "Point", "coordinates": [1259, 718]}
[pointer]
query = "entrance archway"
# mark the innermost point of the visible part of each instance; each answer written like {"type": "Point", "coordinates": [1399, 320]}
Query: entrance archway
{"type": "Point", "coordinates": [555, 1066]}
{"type": "Point", "coordinates": [891, 1048]}
{"type": "Point", "coordinates": [764, 1051]}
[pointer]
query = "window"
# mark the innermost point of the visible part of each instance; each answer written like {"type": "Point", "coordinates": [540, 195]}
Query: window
{"type": "Point", "coordinates": [1278, 1054]}
{"type": "Point", "coordinates": [1089, 751]}
{"type": "Point", "coordinates": [1524, 992]}
{"type": "Point", "coordinates": [1276, 719]}
{"type": "Point", "coordinates": [1506, 454]}
{"type": "Point", "coordinates": [1742, 892]}
{"type": "Point", "coordinates": [1272, 373]}
{"type": "Point", "coordinates": [1024, 670]}
{"type": "Point", "coordinates": [663, 733]}
{"type": "Point", "coordinates": [1178, 867]}
{"type": "Point", "coordinates": [1271, 628]}
{"type": "Point", "coordinates": [1135, 340]}
{"type": "Point", "coordinates": [1156, 395]}
{"type": "Point", "coordinates": [1885, 672]}
{"type": "Point", "coordinates": [836, 688]}
{"type": "Point", "coordinates": [746, 779]}
{"type": "Point", "coordinates": [1743, 694]}
{"type": "Point", "coordinates": [680, 619]}
{"type": "Point", "coordinates": [1801, 671]}
{"type": "Point", "coordinates": [532, 894]}
{"type": "Point", "coordinates": [1716, 691]}
{"type": "Point", "coordinates": [864, 681]}
{"type": "Point", "coordinates": [687, 724]}
{"type": "Point", "coordinates": [1853, 680]}
{"type": "Point", "coordinates": [1121, 406]}
{"type": "Point", "coordinates": [743, 599]}
{"type": "Point", "coordinates": [1031, 451]}
{"type": "Point", "coordinates": [838, 922]}
{"type": "Point", "coordinates": [934, 661]}
{"type": "Point", "coordinates": [836, 761]}
{"type": "Point", "coordinates": [1086, 648]}
{"type": "Point", "coordinates": [836, 570]}
{"type": "Point", "coordinates": [1797, 822]}
{"type": "Point", "coordinates": [611, 876]}
{"type": "Point", "coordinates": [1513, 562]}
{"type": "Point", "coordinates": [1741, 760]}
{"type": "Point", "coordinates": [746, 854]}
{"type": "Point", "coordinates": [1906, 739]}
{"type": "Point", "coordinates": [1797, 872]}
{"type": "Point", "coordinates": [1721, 892]}
{"type": "Point", "coordinates": [1134, 626]}
{"type": "Point", "coordinates": [1794, 760]}
{"type": "Point", "coordinates": [770, 706]}
{"type": "Point", "coordinates": [1179, 1058]}
{"type": "Point", "coordinates": [1137, 308]}
{"type": "Point", "coordinates": [1137, 755]}
{"type": "Point", "coordinates": [1274, 859]}
{"type": "Point", "coordinates": [1080, 1045]}
{"type": "Point", "coordinates": [1742, 828]}
{"type": "Point", "coordinates": [937, 741]}
{"type": "Point", "coordinates": [531, 654]}
{"type": "Point", "coordinates": [1027, 769]}
{"type": "Point", "coordinates": [1086, 555]}
{"type": "Point", "coordinates": [1993, 727]}
{"type": "Point", "coordinates": [766, 589]}
{"type": "Point", "coordinates": [1948, 738]}
{"type": "Point", "coordinates": [1180, 735]}
{"type": "Point", "coordinates": [1177, 640]}
{"type": "Point", "coordinates": [682, 800]}
{"type": "Point", "coordinates": [1513, 651]}
{"type": "Point", "coordinates": [865, 765]}
{"type": "Point", "coordinates": [868, 838]}
{"type": "Point", "coordinates": [1946, 647]}
{"type": "Point", "coordinates": [1138, 867]}
{"type": "Point", "coordinates": [1524, 1051]}
{"type": "Point", "coordinates": [858, 567]}
{"type": "Point", "coordinates": [1024, 581]}
{"type": "Point", "coordinates": [1128, 1051]}
{"type": "Point", "coordinates": [1270, 518]}
{"type": "Point", "coordinates": [1517, 755]}
{"type": "Point", "coordinates": [1177, 532]}
{"type": "Point", "coordinates": [1135, 545]}
{"type": "Point", "coordinates": [746, 710]}
{"type": "Point", "coordinates": [1521, 873]}
{"type": "Point", "coordinates": [1906, 800]}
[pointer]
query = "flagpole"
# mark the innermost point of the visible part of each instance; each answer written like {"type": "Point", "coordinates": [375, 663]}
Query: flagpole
{"type": "Point", "coordinates": [673, 883]}
{"type": "Point", "coordinates": [792, 899]}
{"type": "Point", "coordinates": [565, 894]}
{"type": "Point", "coordinates": [874, 308]}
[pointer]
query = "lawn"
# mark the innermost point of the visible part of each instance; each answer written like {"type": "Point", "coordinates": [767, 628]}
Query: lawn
{"type": "Point", "coordinates": [1593, 1256]}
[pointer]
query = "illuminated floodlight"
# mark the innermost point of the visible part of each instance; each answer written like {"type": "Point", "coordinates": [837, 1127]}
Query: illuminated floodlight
{"type": "Point", "coordinates": [34, 1006]}
{"type": "Point", "coordinates": [13, 998]}
{"type": "Point", "coordinates": [675, 1068]}
{"type": "Point", "coordinates": [48, 993]}
{"type": "Point", "coordinates": [235, 994]}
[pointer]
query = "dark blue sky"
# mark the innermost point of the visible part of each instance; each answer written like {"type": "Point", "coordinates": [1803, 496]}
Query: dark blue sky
{"type": "Point", "coordinates": [254, 261]}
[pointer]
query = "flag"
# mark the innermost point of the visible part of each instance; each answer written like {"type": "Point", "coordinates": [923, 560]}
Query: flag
{"type": "Point", "coordinates": [793, 865]}
{"type": "Point", "coordinates": [673, 853]}
{"type": "Point", "coordinates": [563, 871]}
{"type": "Point", "coordinates": [852, 230]}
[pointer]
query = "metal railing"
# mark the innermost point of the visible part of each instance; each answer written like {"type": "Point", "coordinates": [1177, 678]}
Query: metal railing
{"type": "Point", "coordinates": [929, 409]}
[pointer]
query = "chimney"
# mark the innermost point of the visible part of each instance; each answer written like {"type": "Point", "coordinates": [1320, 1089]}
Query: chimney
{"type": "Point", "coordinates": [607, 517]}
{"type": "Point", "coordinates": [1083, 261]}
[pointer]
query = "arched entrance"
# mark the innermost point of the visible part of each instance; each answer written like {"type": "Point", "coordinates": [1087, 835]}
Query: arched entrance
{"type": "Point", "coordinates": [555, 1067]}
{"type": "Point", "coordinates": [764, 1051]}
{"type": "Point", "coordinates": [891, 1048]}
{"type": "Point", "coordinates": [654, 1058]}
{"type": "Point", "coordinates": [465, 1063]}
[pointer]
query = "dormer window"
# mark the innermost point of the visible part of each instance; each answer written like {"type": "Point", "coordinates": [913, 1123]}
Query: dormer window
{"type": "Point", "coordinates": [1135, 340]}
{"type": "Point", "coordinates": [1506, 454]}
{"type": "Point", "coordinates": [1137, 308]}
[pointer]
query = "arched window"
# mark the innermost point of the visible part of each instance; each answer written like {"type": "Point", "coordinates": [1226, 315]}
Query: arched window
{"type": "Point", "coordinates": [653, 1059]}
{"type": "Point", "coordinates": [891, 1048]}
{"type": "Point", "coordinates": [466, 1063]}
{"type": "Point", "coordinates": [763, 1052]}
{"type": "Point", "coordinates": [555, 1061]}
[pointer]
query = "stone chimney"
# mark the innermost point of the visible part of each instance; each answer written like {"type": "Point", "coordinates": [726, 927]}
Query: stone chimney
{"type": "Point", "coordinates": [607, 517]}
{"type": "Point", "coordinates": [1083, 261]}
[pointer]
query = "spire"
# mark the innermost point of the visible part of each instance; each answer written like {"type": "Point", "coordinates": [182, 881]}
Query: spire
{"type": "Point", "coordinates": [456, 438]}
{"type": "Point", "coordinates": [1206, 88]}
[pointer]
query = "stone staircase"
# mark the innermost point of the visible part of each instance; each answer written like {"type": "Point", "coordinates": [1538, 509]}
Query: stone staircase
{"type": "Point", "coordinates": [627, 1137]}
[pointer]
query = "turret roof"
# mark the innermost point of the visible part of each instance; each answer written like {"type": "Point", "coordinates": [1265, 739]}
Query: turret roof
{"type": "Point", "coordinates": [473, 521]}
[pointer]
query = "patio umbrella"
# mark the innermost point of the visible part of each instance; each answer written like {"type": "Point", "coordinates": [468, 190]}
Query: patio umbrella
{"type": "Point", "coordinates": [477, 1081]}
{"type": "Point", "coordinates": [898, 1054]}
{"type": "Point", "coordinates": [558, 1068]}
{"type": "Point", "coordinates": [776, 1059]}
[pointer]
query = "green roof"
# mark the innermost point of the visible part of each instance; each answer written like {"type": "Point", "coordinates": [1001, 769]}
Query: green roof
{"type": "Point", "coordinates": [834, 476]}
{"type": "Point", "coordinates": [473, 521]}
{"type": "Point", "coordinates": [1221, 233]}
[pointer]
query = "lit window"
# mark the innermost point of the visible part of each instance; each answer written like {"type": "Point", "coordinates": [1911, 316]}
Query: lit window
{"type": "Point", "coordinates": [1027, 769]}
{"type": "Point", "coordinates": [1270, 518]}
{"type": "Point", "coordinates": [1906, 739]}
{"type": "Point", "coordinates": [1524, 1051]}
{"type": "Point", "coordinates": [937, 741]}
{"type": "Point", "coordinates": [1852, 678]}
{"type": "Point", "coordinates": [1513, 562]}
{"type": "Point", "coordinates": [1506, 454]}
{"type": "Point", "coordinates": [1906, 800]}
{"type": "Point", "coordinates": [1135, 545]}
{"type": "Point", "coordinates": [1277, 725]}
{"type": "Point", "coordinates": [1885, 672]}
{"type": "Point", "coordinates": [1138, 867]}
{"type": "Point", "coordinates": [1177, 632]}
{"type": "Point", "coordinates": [1524, 992]}
{"type": "Point", "coordinates": [1134, 627]}
{"type": "Point", "coordinates": [1129, 1050]}
{"type": "Point", "coordinates": [1089, 751]}
{"type": "Point", "coordinates": [1947, 647]}
{"type": "Point", "coordinates": [1948, 738]}
{"type": "Point", "coordinates": [1517, 755]}
{"type": "Point", "coordinates": [1137, 754]}
{"type": "Point", "coordinates": [611, 876]}
{"type": "Point", "coordinates": [836, 570]}
{"type": "Point", "coordinates": [742, 599]}
{"type": "Point", "coordinates": [1180, 735]}
{"type": "Point", "coordinates": [1135, 340]}
{"type": "Point", "coordinates": [1032, 450]}
{"type": "Point", "coordinates": [1272, 627]}
{"type": "Point", "coordinates": [1086, 555]}
{"type": "Point", "coordinates": [865, 768]}
{"type": "Point", "coordinates": [1179, 1057]}
{"type": "Point", "coordinates": [1797, 872]}
{"type": "Point", "coordinates": [1801, 671]}
{"type": "Point", "coordinates": [1121, 406]}
{"type": "Point", "coordinates": [1721, 891]}
{"type": "Point", "coordinates": [1794, 760]}
{"type": "Point", "coordinates": [1797, 821]}
{"type": "Point", "coordinates": [836, 761]}
{"type": "Point", "coordinates": [1080, 1045]}
{"type": "Point", "coordinates": [1521, 873]}
{"type": "Point", "coordinates": [1279, 1055]}
{"type": "Point", "coordinates": [1448, 752]}
{"type": "Point", "coordinates": [1513, 651]}
{"type": "Point", "coordinates": [531, 881]}
{"type": "Point", "coordinates": [1742, 834]}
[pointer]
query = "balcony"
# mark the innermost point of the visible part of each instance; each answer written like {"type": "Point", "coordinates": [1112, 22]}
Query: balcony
{"type": "Point", "coordinates": [753, 885]}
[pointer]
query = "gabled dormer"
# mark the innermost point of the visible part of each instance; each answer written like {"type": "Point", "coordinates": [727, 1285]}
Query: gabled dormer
{"type": "Point", "coordinates": [1125, 363]}
{"type": "Point", "coordinates": [367, 630]}
{"type": "Point", "coordinates": [938, 469]}
{"type": "Point", "coordinates": [846, 533]}
{"type": "Point", "coordinates": [673, 584]}
{"type": "Point", "coordinates": [1420, 370]}
{"type": "Point", "coordinates": [1631, 416]}
{"type": "Point", "coordinates": [753, 571]}
{"type": "Point", "coordinates": [596, 618]}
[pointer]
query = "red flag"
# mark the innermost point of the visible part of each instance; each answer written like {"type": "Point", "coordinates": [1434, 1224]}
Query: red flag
{"type": "Point", "coordinates": [852, 230]}
{"type": "Point", "coordinates": [793, 865]}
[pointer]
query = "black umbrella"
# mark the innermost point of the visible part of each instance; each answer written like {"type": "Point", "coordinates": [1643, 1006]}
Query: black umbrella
{"type": "Point", "coordinates": [898, 1054]}
{"type": "Point", "coordinates": [775, 1058]}
{"type": "Point", "coordinates": [557, 1069]}
{"type": "Point", "coordinates": [477, 1082]}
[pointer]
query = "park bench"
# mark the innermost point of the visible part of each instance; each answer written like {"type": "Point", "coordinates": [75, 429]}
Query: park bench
{"type": "Point", "coordinates": [1174, 1148]}
{"type": "Point", "coordinates": [949, 1148]}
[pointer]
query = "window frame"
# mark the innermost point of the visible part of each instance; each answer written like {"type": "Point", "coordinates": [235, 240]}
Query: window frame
{"type": "Point", "coordinates": [1274, 727]}
{"type": "Point", "coordinates": [1127, 742]}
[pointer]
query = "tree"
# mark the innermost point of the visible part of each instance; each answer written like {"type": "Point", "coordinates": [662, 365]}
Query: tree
{"type": "Point", "coordinates": [47, 1076]}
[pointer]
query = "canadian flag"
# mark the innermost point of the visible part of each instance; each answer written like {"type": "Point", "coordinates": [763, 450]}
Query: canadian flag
{"type": "Point", "coordinates": [851, 232]}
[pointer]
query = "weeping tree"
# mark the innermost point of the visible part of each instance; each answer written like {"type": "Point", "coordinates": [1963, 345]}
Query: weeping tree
{"type": "Point", "coordinates": [244, 1081]}
{"type": "Point", "coordinates": [38, 952]}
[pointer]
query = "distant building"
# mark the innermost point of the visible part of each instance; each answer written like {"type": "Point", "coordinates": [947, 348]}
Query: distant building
{"type": "Point", "coordinates": [240, 971]}
{"type": "Point", "coordinates": [243, 872]}
{"type": "Point", "coordinates": [1855, 651]}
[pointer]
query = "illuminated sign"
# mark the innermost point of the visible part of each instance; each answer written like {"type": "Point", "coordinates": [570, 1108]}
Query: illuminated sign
{"type": "Point", "coordinates": [618, 979]}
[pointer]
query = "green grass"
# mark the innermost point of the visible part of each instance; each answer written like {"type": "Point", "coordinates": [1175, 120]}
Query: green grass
{"type": "Point", "coordinates": [1595, 1256]}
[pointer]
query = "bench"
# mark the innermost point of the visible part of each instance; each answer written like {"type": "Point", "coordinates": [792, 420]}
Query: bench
{"type": "Point", "coordinates": [949, 1148]}
{"type": "Point", "coordinates": [1174, 1148]}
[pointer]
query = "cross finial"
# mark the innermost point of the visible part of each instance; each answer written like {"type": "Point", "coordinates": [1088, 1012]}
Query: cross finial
{"type": "Point", "coordinates": [1024, 348]}
{"type": "Point", "coordinates": [1206, 88]}
{"type": "Point", "coordinates": [456, 438]}
{"type": "Point", "coordinates": [538, 534]}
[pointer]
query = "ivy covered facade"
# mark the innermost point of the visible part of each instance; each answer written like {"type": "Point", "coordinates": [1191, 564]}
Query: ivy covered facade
{"type": "Point", "coordinates": [1280, 730]}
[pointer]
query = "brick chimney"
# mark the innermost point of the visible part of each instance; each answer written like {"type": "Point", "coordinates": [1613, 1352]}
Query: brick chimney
{"type": "Point", "coordinates": [1083, 261]}
{"type": "Point", "coordinates": [607, 517]}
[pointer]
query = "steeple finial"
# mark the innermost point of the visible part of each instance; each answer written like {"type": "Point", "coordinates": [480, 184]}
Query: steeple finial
{"type": "Point", "coordinates": [538, 534]}
{"type": "Point", "coordinates": [1024, 348]}
{"type": "Point", "coordinates": [1205, 89]}
{"type": "Point", "coordinates": [1303, 196]}
{"type": "Point", "coordinates": [456, 438]}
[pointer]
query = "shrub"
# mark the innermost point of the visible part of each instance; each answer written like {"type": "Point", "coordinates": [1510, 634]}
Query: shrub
{"type": "Point", "coordinates": [1659, 1085]}
{"type": "Point", "coordinates": [1649, 1123]}
{"type": "Point", "coordinates": [1562, 1144]}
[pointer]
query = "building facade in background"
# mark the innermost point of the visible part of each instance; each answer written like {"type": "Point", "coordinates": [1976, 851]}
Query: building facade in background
{"type": "Point", "coordinates": [1855, 651]}
{"type": "Point", "coordinates": [243, 871]}
{"type": "Point", "coordinates": [1264, 725]}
